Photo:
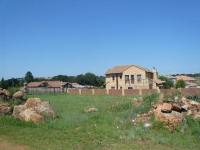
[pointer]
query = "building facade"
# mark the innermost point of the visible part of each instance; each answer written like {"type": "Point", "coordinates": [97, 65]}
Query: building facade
{"type": "Point", "coordinates": [131, 77]}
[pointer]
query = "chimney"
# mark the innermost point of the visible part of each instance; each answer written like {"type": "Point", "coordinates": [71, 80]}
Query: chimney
{"type": "Point", "coordinates": [155, 73]}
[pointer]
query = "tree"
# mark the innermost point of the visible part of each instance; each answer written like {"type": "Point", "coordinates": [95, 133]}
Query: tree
{"type": "Point", "coordinates": [3, 83]}
{"type": "Point", "coordinates": [61, 78]}
{"type": "Point", "coordinates": [29, 77]}
{"type": "Point", "coordinates": [180, 84]}
{"type": "Point", "coordinates": [168, 83]}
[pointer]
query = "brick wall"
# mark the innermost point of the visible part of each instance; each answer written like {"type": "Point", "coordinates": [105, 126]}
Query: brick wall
{"type": "Point", "coordinates": [131, 92]}
{"type": "Point", "coordinates": [168, 92]}
{"type": "Point", "coordinates": [100, 91]}
{"type": "Point", "coordinates": [190, 92]}
{"type": "Point", "coordinates": [115, 92]}
{"type": "Point", "coordinates": [135, 92]}
{"type": "Point", "coordinates": [73, 91]}
{"type": "Point", "coordinates": [149, 91]}
{"type": "Point", "coordinates": [86, 92]}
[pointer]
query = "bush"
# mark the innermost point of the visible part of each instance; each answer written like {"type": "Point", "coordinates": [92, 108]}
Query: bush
{"type": "Point", "coordinates": [168, 83]}
{"type": "Point", "coordinates": [180, 84]}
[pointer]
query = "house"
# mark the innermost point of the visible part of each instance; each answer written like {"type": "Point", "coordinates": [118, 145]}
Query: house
{"type": "Point", "coordinates": [51, 86]}
{"type": "Point", "coordinates": [186, 79]}
{"type": "Point", "coordinates": [48, 86]}
{"type": "Point", "coordinates": [77, 86]}
{"type": "Point", "coordinates": [132, 77]}
{"type": "Point", "coordinates": [190, 81]}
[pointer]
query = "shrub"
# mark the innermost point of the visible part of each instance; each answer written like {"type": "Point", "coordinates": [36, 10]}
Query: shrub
{"type": "Point", "coordinates": [180, 84]}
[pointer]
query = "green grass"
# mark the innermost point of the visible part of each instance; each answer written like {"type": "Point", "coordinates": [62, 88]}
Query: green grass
{"type": "Point", "coordinates": [109, 128]}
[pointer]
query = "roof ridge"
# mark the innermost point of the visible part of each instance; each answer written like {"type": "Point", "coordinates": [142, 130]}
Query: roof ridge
{"type": "Point", "coordinates": [122, 68]}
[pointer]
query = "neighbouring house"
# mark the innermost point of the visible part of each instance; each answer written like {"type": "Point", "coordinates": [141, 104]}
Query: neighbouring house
{"type": "Point", "coordinates": [186, 79]}
{"type": "Point", "coordinates": [51, 86]}
{"type": "Point", "coordinates": [132, 77]}
{"type": "Point", "coordinates": [77, 86]}
{"type": "Point", "coordinates": [190, 81]}
{"type": "Point", "coordinates": [48, 86]}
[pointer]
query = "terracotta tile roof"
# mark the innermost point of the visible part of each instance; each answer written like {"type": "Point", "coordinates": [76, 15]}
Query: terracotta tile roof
{"type": "Point", "coordinates": [50, 84]}
{"type": "Point", "coordinates": [54, 84]}
{"type": "Point", "coordinates": [122, 68]}
{"type": "Point", "coordinates": [185, 78]}
{"type": "Point", "coordinates": [35, 84]}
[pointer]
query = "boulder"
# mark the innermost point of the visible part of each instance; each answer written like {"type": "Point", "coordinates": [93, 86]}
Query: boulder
{"type": "Point", "coordinates": [92, 109]}
{"type": "Point", "coordinates": [31, 115]}
{"type": "Point", "coordinates": [33, 102]}
{"type": "Point", "coordinates": [166, 108]}
{"type": "Point", "coordinates": [18, 95]}
{"type": "Point", "coordinates": [171, 120]}
{"type": "Point", "coordinates": [5, 109]}
{"type": "Point", "coordinates": [34, 110]}
{"type": "Point", "coordinates": [176, 107]}
{"type": "Point", "coordinates": [6, 93]}
{"type": "Point", "coordinates": [17, 110]}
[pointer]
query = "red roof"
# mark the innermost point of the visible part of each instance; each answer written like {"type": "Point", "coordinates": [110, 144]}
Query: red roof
{"type": "Point", "coordinates": [50, 84]}
{"type": "Point", "coordinates": [122, 68]}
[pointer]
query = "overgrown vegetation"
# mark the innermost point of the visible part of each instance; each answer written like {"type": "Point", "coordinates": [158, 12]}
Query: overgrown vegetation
{"type": "Point", "coordinates": [83, 79]}
{"type": "Point", "coordinates": [168, 83]}
{"type": "Point", "coordinates": [180, 84]}
{"type": "Point", "coordinates": [108, 128]}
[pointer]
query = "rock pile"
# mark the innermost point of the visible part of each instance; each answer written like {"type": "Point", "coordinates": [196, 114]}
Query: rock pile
{"type": "Point", "coordinates": [18, 95]}
{"type": "Point", "coordinates": [4, 94]}
{"type": "Point", "coordinates": [34, 110]}
{"type": "Point", "coordinates": [171, 113]}
{"type": "Point", "coordinates": [5, 109]}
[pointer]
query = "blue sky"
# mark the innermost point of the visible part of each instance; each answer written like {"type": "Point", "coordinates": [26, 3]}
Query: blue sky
{"type": "Point", "coordinates": [50, 37]}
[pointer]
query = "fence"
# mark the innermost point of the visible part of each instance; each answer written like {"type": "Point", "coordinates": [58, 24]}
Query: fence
{"type": "Point", "coordinates": [135, 92]}
{"type": "Point", "coordinates": [113, 92]}
{"type": "Point", "coordinates": [46, 90]}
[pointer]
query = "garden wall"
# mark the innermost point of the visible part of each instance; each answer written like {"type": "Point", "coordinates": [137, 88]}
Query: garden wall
{"type": "Point", "coordinates": [127, 92]}
{"type": "Point", "coordinates": [135, 92]}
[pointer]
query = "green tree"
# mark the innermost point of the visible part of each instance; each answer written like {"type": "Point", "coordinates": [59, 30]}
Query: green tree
{"type": "Point", "coordinates": [3, 84]}
{"type": "Point", "coordinates": [29, 77]}
{"type": "Point", "coordinates": [180, 84]}
{"type": "Point", "coordinates": [61, 78]}
{"type": "Point", "coordinates": [168, 83]}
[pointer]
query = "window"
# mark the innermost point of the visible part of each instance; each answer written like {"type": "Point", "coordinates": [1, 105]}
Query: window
{"type": "Point", "coordinates": [120, 87]}
{"type": "Point", "coordinates": [126, 78]}
{"type": "Point", "coordinates": [132, 79]}
{"type": "Point", "coordinates": [130, 88]}
{"type": "Point", "coordinates": [113, 78]}
{"type": "Point", "coordinates": [139, 78]}
{"type": "Point", "coordinates": [120, 77]}
{"type": "Point", "coordinates": [112, 87]}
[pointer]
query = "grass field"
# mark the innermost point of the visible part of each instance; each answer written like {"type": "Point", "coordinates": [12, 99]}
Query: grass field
{"type": "Point", "coordinates": [108, 129]}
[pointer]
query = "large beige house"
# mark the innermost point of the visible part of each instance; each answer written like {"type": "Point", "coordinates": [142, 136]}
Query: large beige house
{"type": "Point", "coordinates": [131, 77]}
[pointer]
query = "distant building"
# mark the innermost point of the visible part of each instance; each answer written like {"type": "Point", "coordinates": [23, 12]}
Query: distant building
{"type": "Point", "coordinates": [51, 86]}
{"type": "Point", "coordinates": [190, 81]}
{"type": "Point", "coordinates": [132, 77]}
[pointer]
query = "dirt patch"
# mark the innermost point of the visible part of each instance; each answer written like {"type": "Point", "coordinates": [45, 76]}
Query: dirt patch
{"type": "Point", "coordinates": [5, 145]}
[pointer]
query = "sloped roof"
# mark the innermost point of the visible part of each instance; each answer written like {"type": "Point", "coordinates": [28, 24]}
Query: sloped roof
{"type": "Point", "coordinates": [122, 68]}
{"type": "Point", "coordinates": [185, 78]}
{"type": "Point", "coordinates": [54, 84]}
{"type": "Point", "coordinates": [35, 84]}
{"type": "Point", "coordinates": [50, 84]}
